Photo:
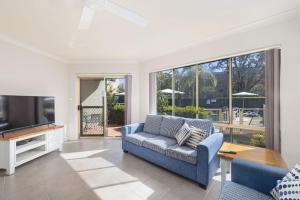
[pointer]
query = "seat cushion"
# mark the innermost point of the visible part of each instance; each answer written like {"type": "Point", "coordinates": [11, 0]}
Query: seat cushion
{"type": "Point", "coordinates": [234, 191]}
{"type": "Point", "coordinates": [152, 124]}
{"type": "Point", "coordinates": [170, 126]}
{"type": "Point", "coordinates": [182, 153]}
{"type": "Point", "coordinates": [138, 138]}
{"type": "Point", "coordinates": [159, 143]}
{"type": "Point", "coordinates": [203, 124]}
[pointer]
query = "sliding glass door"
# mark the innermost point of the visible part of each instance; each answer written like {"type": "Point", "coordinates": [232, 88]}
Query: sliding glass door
{"type": "Point", "coordinates": [102, 106]}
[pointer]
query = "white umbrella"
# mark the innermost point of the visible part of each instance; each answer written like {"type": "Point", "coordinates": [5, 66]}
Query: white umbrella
{"type": "Point", "coordinates": [244, 94]}
{"type": "Point", "coordinates": [120, 94]}
{"type": "Point", "coordinates": [170, 91]}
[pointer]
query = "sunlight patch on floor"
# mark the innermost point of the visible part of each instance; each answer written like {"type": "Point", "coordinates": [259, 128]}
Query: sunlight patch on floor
{"type": "Point", "coordinates": [128, 191]}
{"type": "Point", "coordinates": [217, 176]}
{"type": "Point", "coordinates": [107, 180]}
{"type": "Point", "coordinates": [81, 154]}
{"type": "Point", "coordinates": [105, 177]}
{"type": "Point", "coordinates": [89, 164]}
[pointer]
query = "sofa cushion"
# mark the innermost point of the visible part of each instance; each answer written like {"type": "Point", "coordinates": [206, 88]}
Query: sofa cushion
{"type": "Point", "coordinates": [138, 138]}
{"type": "Point", "coordinates": [203, 124]}
{"type": "Point", "coordinates": [159, 143]}
{"type": "Point", "coordinates": [170, 126]}
{"type": "Point", "coordinates": [234, 191]}
{"type": "Point", "coordinates": [152, 124]}
{"type": "Point", "coordinates": [183, 134]}
{"type": "Point", "coordinates": [182, 153]}
{"type": "Point", "coordinates": [196, 136]}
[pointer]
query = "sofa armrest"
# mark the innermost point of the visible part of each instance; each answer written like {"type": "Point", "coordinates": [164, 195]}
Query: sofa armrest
{"type": "Point", "coordinates": [210, 146]}
{"type": "Point", "coordinates": [257, 176]}
{"type": "Point", "coordinates": [132, 128]}
{"type": "Point", "coordinates": [207, 158]}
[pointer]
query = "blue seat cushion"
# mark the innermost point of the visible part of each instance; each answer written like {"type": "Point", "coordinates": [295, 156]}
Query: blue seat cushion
{"type": "Point", "coordinates": [152, 124]}
{"type": "Point", "coordinates": [138, 138]}
{"type": "Point", "coordinates": [159, 143]}
{"type": "Point", "coordinates": [234, 191]}
{"type": "Point", "coordinates": [184, 153]}
{"type": "Point", "coordinates": [203, 124]}
{"type": "Point", "coordinates": [170, 126]}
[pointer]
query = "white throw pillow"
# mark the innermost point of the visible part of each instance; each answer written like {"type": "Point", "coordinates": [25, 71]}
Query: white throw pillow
{"type": "Point", "coordinates": [289, 189]}
{"type": "Point", "coordinates": [292, 175]}
{"type": "Point", "coordinates": [183, 134]}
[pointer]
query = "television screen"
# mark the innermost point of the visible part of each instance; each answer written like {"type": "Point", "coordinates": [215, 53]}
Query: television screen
{"type": "Point", "coordinates": [18, 112]}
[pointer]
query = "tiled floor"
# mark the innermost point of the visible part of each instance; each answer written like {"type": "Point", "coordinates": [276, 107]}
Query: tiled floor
{"type": "Point", "coordinates": [97, 169]}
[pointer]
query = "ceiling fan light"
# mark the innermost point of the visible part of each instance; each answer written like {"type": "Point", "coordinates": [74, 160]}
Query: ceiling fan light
{"type": "Point", "coordinates": [86, 18]}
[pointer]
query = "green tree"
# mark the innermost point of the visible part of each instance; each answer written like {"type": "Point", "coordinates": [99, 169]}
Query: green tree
{"type": "Point", "coordinates": [248, 73]}
{"type": "Point", "coordinates": [164, 79]}
{"type": "Point", "coordinates": [162, 102]}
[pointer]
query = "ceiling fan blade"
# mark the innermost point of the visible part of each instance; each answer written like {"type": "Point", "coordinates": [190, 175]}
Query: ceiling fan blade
{"type": "Point", "coordinates": [125, 13]}
{"type": "Point", "coordinates": [86, 18]}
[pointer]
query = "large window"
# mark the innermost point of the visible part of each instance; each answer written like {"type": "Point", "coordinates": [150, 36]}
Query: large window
{"type": "Point", "coordinates": [185, 92]}
{"type": "Point", "coordinates": [164, 92]}
{"type": "Point", "coordinates": [213, 90]}
{"type": "Point", "coordinates": [230, 92]}
{"type": "Point", "coordinates": [248, 97]}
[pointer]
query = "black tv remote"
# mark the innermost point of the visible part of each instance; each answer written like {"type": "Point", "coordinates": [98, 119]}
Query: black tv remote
{"type": "Point", "coordinates": [230, 152]}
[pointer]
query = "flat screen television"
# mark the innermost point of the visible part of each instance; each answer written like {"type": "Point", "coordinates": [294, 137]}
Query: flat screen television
{"type": "Point", "coordinates": [19, 112]}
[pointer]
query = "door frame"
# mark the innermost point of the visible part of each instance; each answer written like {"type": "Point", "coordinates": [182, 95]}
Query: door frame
{"type": "Point", "coordinates": [93, 77]}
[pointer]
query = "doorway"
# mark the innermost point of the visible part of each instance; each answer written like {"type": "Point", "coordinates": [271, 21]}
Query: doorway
{"type": "Point", "coordinates": [115, 101]}
{"type": "Point", "coordinates": [92, 107]}
{"type": "Point", "coordinates": [102, 106]}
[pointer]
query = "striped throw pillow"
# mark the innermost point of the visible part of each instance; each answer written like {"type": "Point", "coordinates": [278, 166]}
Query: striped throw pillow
{"type": "Point", "coordinates": [197, 136]}
{"type": "Point", "coordinates": [183, 134]}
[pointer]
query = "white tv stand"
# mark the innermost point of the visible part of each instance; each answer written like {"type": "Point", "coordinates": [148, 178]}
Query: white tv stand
{"type": "Point", "coordinates": [19, 147]}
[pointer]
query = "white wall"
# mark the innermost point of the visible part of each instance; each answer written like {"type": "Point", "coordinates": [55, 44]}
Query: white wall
{"type": "Point", "coordinates": [285, 34]}
{"type": "Point", "coordinates": [109, 68]}
{"type": "Point", "coordinates": [23, 72]}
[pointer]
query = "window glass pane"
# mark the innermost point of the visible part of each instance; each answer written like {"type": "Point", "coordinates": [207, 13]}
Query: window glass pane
{"type": "Point", "coordinates": [248, 97]}
{"type": "Point", "coordinates": [213, 90]}
{"type": "Point", "coordinates": [185, 89]}
{"type": "Point", "coordinates": [164, 92]}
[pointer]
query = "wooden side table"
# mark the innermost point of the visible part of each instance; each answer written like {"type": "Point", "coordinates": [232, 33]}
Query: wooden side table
{"type": "Point", "coordinates": [256, 154]}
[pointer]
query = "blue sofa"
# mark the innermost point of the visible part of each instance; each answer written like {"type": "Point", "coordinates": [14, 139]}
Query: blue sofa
{"type": "Point", "coordinates": [251, 181]}
{"type": "Point", "coordinates": [154, 141]}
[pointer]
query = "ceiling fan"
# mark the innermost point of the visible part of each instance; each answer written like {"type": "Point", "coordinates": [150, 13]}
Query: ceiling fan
{"type": "Point", "coordinates": [91, 6]}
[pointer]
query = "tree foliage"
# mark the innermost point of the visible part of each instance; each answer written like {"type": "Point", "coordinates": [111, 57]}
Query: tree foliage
{"type": "Point", "coordinates": [248, 73]}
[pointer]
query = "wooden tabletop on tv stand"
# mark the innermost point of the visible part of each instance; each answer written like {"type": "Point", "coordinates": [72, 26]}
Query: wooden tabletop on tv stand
{"type": "Point", "coordinates": [28, 131]}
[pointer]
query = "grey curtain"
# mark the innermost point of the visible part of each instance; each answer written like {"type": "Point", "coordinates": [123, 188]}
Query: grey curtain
{"type": "Point", "coordinates": [152, 93]}
{"type": "Point", "coordinates": [128, 95]}
{"type": "Point", "coordinates": [272, 113]}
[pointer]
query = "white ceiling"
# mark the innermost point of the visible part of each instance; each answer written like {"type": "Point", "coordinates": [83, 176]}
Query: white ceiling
{"type": "Point", "coordinates": [51, 25]}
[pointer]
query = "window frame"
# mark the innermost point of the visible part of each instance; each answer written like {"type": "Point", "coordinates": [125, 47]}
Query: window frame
{"type": "Point", "coordinates": [195, 67]}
